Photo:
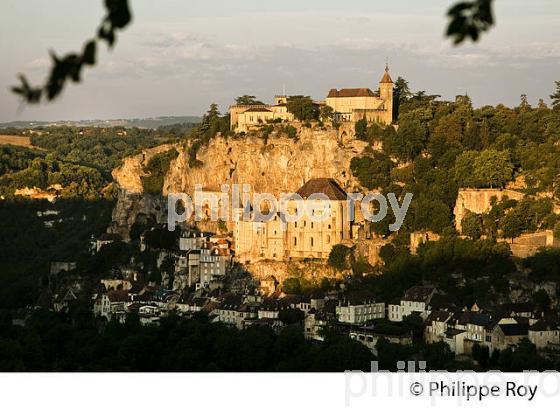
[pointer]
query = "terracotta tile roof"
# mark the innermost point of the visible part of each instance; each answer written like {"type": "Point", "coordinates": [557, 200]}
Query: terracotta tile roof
{"type": "Point", "coordinates": [350, 92]}
{"type": "Point", "coordinates": [327, 186]}
{"type": "Point", "coordinates": [256, 109]}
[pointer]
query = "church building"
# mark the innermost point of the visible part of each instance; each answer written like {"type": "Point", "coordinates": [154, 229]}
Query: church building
{"type": "Point", "coordinates": [353, 104]}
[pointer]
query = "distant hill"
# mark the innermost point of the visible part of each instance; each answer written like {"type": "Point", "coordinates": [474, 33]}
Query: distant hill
{"type": "Point", "coordinates": [154, 122]}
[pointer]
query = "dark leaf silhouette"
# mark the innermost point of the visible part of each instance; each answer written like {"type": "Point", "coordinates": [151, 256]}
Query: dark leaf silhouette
{"type": "Point", "coordinates": [70, 66]}
{"type": "Point", "coordinates": [468, 19]}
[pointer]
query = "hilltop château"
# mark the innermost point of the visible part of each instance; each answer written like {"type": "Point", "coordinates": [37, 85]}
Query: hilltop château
{"type": "Point", "coordinates": [348, 104]}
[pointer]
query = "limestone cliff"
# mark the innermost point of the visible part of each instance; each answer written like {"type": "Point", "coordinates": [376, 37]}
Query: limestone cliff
{"type": "Point", "coordinates": [479, 201]}
{"type": "Point", "coordinates": [279, 164]}
{"type": "Point", "coordinates": [275, 165]}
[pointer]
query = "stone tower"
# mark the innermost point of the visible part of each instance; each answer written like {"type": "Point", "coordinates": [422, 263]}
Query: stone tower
{"type": "Point", "coordinates": [386, 94]}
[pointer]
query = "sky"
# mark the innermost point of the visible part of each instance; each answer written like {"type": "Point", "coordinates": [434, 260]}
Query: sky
{"type": "Point", "coordinates": [179, 56]}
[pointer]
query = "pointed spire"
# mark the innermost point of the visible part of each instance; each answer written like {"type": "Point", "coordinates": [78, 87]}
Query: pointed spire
{"type": "Point", "coordinates": [386, 77]}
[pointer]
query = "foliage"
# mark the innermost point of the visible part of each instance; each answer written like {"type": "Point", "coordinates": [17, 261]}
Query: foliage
{"type": "Point", "coordinates": [28, 245]}
{"type": "Point", "coordinates": [101, 148]}
{"type": "Point", "coordinates": [70, 66]}
{"type": "Point", "coordinates": [247, 100]}
{"type": "Point", "coordinates": [541, 300]}
{"type": "Point", "coordinates": [291, 286]}
{"type": "Point", "coordinates": [303, 108]}
{"type": "Point", "coordinates": [326, 113]}
{"type": "Point", "coordinates": [488, 168]}
{"type": "Point", "coordinates": [13, 159]}
{"type": "Point", "coordinates": [544, 265]}
{"type": "Point", "coordinates": [291, 316]}
{"type": "Point", "coordinates": [77, 181]}
{"type": "Point", "coordinates": [212, 124]}
{"type": "Point", "coordinates": [339, 257]}
{"type": "Point", "coordinates": [157, 168]}
{"type": "Point", "coordinates": [471, 225]}
{"type": "Point", "coordinates": [372, 171]}
{"type": "Point", "coordinates": [162, 238]}
{"type": "Point", "coordinates": [468, 19]}
{"type": "Point", "coordinates": [556, 96]}
{"type": "Point", "coordinates": [54, 342]}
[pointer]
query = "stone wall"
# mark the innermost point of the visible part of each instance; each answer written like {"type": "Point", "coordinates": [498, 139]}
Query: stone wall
{"type": "Point", "coordinates": [528, 244]}
{"type": "Point", "coordinates": [478, 201]}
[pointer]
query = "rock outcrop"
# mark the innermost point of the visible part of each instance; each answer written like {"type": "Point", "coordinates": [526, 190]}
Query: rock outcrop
{"type": "Point", "coordinates": [479, 201]}
{"type": "Point", "coordinates": [279, 164]}
{"type": "Point", "coordinates": [274, 165]}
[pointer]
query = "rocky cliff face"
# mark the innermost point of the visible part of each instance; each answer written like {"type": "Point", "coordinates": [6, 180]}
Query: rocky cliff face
{"type": "Point", "coordinates": [132, 203]}
{"type": "Point", "coordinates": [277, 165]}
{"type": "Point", "coordinates": [479, 201]}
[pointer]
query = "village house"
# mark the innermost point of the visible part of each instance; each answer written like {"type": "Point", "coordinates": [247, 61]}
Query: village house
{"type": "Point", "coordinates": [436, 326]}
{"type": "Point", "coordinates": [245, 117]}
{"type": "Point", "coordinates": [544, 334]}
{"type": "Point", "coordinates": [358, 308]}
{"type": "Point", "coordinates": [102, 305]}
{"type": "Point", "coordinates": [415, 300]}
{"type": "Point", "coordinates": [270, 308]}
{"type": "Point", "coordinates": [507, 335]}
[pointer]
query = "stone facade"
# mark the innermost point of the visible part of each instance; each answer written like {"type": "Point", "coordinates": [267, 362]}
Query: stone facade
{"type": "Point", "coordinates": [304, 238]}
{"type": "Point", "coordinates": [244, 118]}
{"type": "Point", "coordinates": [527, 244]}
{"type": "Point", "coordinates": [479, 201]}
{"type": "Point", "coordinates": [353, 104]}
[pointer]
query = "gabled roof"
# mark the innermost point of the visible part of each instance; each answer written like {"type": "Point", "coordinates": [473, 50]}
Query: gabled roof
{"type": "Point", "coordinates": [327, 186]}
{"type": "Point", "coordinates": [256, 109]}
{"type": "Point", "coordinates": [543, 326]}
{"type": "Point", "coordinates": [419, 294]}
{"type": "Point", "coordinates": [514, 329]}
{"type": "Point", "coordinates": [350, 92]}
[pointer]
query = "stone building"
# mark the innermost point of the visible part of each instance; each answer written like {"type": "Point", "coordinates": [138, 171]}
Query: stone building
{"type": "Point", "coordinates": [304, 238]}
{"type": "Point", "coordinates": [353, 104]}
{"type": "Point", "coordinates": [245, 117]}
{"type": "Point", "coordinates": [348, 104]}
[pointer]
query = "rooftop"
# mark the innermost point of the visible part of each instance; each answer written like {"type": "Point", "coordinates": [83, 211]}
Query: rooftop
{"type": "Point", "coordinates": [326, 186]}
{"type": "Point", "coordinates": [350, 92]}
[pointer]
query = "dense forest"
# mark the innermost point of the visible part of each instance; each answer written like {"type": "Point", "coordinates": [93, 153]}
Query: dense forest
{"type": "Point", "coordinates": [80, 159]}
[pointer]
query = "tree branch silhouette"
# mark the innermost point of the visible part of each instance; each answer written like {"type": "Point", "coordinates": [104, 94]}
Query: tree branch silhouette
{"type": "Point", "coordinates": [468, 19]}
{"type": "Point", "coordinates": [69, 67]}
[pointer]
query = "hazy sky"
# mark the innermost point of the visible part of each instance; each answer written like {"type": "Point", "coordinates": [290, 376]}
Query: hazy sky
{"type": "Point", "coordinates": [178, 56]}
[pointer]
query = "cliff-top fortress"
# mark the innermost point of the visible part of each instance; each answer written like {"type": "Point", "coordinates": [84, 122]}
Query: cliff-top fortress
{"type": "Point", "coordinates": [348, 104]}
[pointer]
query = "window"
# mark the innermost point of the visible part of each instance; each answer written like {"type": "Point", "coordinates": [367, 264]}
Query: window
{"type": "Point", "coordinates": [328, 239]}
{"type": "Point", "coordinates": [311, 225]}
{"type": "Point", "coordinates": [295, 241]}
{"type": "Point", "coordinates": [312, 242]}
